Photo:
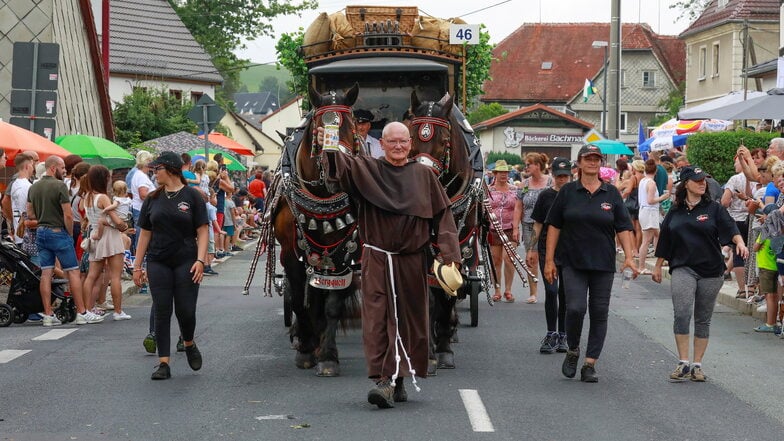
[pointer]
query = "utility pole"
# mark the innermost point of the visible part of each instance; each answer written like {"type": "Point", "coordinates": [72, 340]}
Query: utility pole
{"type": "Point", "coordinates": [614, 87]}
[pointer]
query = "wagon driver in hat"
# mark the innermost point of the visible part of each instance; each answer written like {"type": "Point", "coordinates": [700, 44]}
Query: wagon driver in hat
{"type": "Point", "coordinates": [400, 202]}
{"type": "Point", "coordinates": [371, 146]}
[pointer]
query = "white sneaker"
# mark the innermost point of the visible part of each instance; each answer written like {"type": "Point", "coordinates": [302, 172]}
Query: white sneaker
{"type": "Point", "coordinates": [51, 320]}
{"type": "Point", "coordinates": [120, 316]}
{"type": "Point", "coordinates": [762, 308]}
{"type": "Point", "coordinates": [87, 317]}
{"type": "Point", "coordinates": [108, 305]}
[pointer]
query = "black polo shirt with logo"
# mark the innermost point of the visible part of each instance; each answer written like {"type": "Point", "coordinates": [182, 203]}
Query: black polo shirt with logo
{"type": "Point", "coordinates": [693, 238]}
{"type": "Point", "coordinates": [588, 224]}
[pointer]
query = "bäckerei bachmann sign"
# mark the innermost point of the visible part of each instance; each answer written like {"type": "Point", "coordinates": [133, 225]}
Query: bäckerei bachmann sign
{"type": "Point", "coordinates": [515, 138]}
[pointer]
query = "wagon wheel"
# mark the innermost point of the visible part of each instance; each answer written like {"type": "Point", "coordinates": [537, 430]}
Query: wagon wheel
{"type": "Point", "coordinates": [474, 294]}
{"type": "Point", "coordinates": [6, 315]}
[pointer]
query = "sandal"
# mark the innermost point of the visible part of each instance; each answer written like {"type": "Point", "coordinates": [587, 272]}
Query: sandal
{"type": "Point", "coordinates": [509, 297]}
{"type": "Point", "coordinates": [742, 294]}
{"type": "Point", "coordinates": [497, 297]}
{"type": "Point", "coordinates": [645, 272]}
{"type": "Point", "coordinates": [531, 300]}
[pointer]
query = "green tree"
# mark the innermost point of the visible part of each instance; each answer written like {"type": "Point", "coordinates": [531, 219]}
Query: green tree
{"type": "Point", "coordinates": [148, 114]}
{"type": "Point", "coordinates": [715, 152]}
{"type": "Point", "coordinates": [690, 8]}
{"type": "Point", "coordinates": [671, 105]}
{"type": "Point", "coordinates": [222, 26]}
{"type": "Point", "coordinates": [485, 112]}
{"type": "Point", "coordinates": [290, 57]}
{"type": "Point", "coordinates": [510, 158]}
{"type": "Point", "coordinates": [478, 60]}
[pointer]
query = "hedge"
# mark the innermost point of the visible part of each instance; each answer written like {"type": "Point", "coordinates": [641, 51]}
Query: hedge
{"type": "Point", "coordinates": [715, 152]}
{"type": "Point", "coordinates": [510, 158]}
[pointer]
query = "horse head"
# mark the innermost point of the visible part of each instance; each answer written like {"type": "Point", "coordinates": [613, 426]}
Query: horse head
{"type": "Point", "coordinates": [331, 108]}
{"type": "Point", "coordinates": [438, 143]}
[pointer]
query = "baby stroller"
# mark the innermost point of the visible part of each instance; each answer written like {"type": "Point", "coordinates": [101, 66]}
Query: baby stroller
{"type": "Point", "coordinates": [19, 291]}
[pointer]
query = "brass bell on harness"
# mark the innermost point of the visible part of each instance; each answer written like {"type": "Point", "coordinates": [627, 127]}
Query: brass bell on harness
{"type": "Point", "coordinates": [339, 224]}
{"type": "Point", "coordinates": [327, 227]}
{"type": "Point", "coordinates": [349, 219]}
{"type": "Point", "coordinates": [301, 218]}
{"type": "Point", "coordinates": [312, 225]}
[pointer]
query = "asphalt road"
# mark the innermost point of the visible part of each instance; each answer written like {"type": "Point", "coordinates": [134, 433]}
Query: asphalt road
{"type": "Point", "coordinates": [93, 383]}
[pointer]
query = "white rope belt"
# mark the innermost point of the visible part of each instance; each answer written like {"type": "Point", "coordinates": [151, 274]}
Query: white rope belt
{"type": "Point", "coordinates": [398, 340]}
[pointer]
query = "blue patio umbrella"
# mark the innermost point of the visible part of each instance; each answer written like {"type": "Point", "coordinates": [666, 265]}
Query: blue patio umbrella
{"type": "Point", "coordinates": [610, 147]}
{"type": "Point", "coordinates": [677, 141]}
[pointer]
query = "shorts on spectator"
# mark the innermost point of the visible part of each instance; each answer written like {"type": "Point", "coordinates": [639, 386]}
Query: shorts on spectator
{"type": "Point", "coordinates": [649, 218]}
{"type": "Point", "coordinates": [211, 246]}
{"type": "Point", "coordinates": [229, 229]}
{"type": "Point", "coordinates": [768, 281]}
{"type": "Point", "coordinates": [56, 244]}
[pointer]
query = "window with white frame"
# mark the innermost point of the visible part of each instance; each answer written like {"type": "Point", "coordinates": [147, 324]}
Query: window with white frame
{"type": "Point", "coordinates": [715, 67]}
{"type": "Point", "coordinates": [649, 78]}
{"type": "Point", "coordinates": [703, 62]}
{"type": "Point", "coordinates": [623, 78]}
{"type": "Point", "coordinates": [622, 123]}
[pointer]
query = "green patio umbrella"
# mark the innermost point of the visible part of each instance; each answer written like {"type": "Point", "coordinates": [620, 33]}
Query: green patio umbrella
{"type": "Point", "coordinates": [230, 163]}
{"type": "Point", "coordinates": [95, 150]}
{"type": "Point", "coordinates": [610, 147]}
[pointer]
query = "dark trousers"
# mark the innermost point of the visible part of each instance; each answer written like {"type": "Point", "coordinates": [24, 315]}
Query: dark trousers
{"type": "Point", "coordinates": [171, 284]}
{"type": "Point", "coordinates": [587, 291]}
{"type": "Point", "coordinates": [554, 300]}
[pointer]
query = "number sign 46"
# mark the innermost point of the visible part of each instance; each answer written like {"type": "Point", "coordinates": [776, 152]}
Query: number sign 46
{"type": "Point", "coordinates": [463, 34]}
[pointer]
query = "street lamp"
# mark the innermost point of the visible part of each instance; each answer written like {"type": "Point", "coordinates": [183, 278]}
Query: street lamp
{"type": "Point", "coordinates": [597, 44]}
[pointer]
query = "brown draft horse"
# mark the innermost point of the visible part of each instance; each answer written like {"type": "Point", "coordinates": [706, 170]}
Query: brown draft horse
{"type": "Point", "coordinates": [316, 229]}
{"type": "Point", "coordinates": [439, 143]}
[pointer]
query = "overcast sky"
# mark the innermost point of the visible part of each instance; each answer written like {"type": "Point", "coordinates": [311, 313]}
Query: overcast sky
{"type": "Point", "coordinates": [501, 17]}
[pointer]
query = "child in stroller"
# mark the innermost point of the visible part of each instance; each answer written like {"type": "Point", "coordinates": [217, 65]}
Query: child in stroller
{"type": "Point", "coordinates": [23, 295]}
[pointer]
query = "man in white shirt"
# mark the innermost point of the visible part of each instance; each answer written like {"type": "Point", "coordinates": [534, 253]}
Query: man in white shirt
{"type": "Point", "coordinates": [370, 144]}
{"type": "Point", "coordinates": [18, 191]}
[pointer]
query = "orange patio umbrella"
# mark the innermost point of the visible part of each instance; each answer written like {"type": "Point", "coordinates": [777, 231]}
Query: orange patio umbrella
{"type": "Point", "coordinates": [15, 139]}
{"type": "Point", "coordinates": [228, 143]}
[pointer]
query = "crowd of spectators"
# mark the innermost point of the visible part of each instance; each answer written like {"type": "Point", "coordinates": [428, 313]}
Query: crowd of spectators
{"type": "Point", "coordinates": [98, 216]}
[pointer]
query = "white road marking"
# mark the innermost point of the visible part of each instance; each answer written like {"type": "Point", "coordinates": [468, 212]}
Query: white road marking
{"type": "Point", "coordinates": [54, 334]}
{"type": "Point", "coordinates": [10, 354]}
{"type": "Point", "coordinates": [275, 417]}
{"type": "Point", "coordinates": [477, 414]}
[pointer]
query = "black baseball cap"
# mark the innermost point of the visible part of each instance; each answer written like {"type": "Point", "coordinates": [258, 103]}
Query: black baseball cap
{"type": "Point", "coordinates": [589, 149]}
{"type": "Point", "coordinates": [693, 173]}
{"type": "Point", "coordinates": [561, 167]}
{"type": "Point", "coordinates": [362, 115]}
{"type": "Point", "coordinates": [169, 159]}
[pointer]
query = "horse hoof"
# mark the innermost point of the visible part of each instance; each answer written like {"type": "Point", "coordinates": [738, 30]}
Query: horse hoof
{"type": "Point", "coordinates": [432, 365]}
{"type": "Point", "coordinates": [446, 360]}
{"type": "Point", "coordinates": [305, 361]}
{"type": "Point", "coordinates": [328, 369]}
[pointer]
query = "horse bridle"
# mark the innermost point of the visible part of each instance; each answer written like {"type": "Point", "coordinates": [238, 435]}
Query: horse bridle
{"type": "Point", "coordinates": [425, 132]}
{"type": "Point", "coordinates": [341, 111]}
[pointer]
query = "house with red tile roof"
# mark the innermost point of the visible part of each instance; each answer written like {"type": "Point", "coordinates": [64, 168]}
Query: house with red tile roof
{"type": "Point", "coordinates": [715, 52]}
{"type": "Point", "coordinates": [548, 63]}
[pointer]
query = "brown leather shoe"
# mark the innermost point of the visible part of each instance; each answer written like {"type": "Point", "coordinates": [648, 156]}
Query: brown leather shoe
{"type": "Point", "coordinates": [382, 394]}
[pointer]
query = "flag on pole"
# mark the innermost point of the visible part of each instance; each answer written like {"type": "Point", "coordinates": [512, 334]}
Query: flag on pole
{"type": "Point", "coordinates": [640, 132]}
{"type": "Point", "coordinates": [588, 90]}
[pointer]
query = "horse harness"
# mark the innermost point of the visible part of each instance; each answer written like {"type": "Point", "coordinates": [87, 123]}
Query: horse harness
{"type": "Point", "coordinates": [426, 130]}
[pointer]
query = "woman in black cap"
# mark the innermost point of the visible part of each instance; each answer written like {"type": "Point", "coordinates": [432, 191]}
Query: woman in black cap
{"type": "Point", "coordinates": [173, 225]}
{"type": "Point", "coordinates": [583, 221]}
{"type": "Point", "coordinates": [691, 238]}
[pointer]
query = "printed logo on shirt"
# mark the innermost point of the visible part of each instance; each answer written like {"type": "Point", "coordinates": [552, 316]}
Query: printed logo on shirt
{"type": "Point", "coordinates": [702, 218]}
{"type": "Point", "coordinates": [184, 207]}
{"type": "Point", "coordinates": [606, 206]}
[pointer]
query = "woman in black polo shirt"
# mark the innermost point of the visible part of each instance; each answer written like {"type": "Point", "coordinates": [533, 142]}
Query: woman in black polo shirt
{"type": "Point", "coordinates": [583, 222]}
{"type": "Point", "coordinates": [173, 237]}
{"type": "Point", "coordinates": [691, 238]}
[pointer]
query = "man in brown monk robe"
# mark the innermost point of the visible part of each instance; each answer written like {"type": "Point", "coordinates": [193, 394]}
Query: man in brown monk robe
{"type": "Point", "coordinates": [400, 204]}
